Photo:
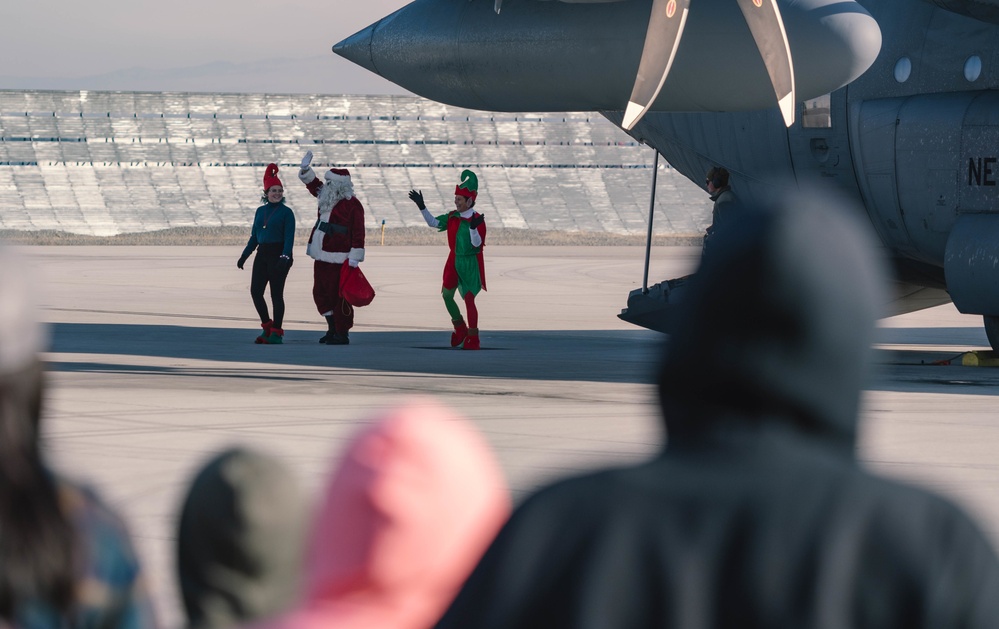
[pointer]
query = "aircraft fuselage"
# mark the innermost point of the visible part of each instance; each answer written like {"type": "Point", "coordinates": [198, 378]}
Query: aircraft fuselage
{"type": "Point", "coordinates": [914, 141]}
{"type": "Point", "coordinates": [898, 107]}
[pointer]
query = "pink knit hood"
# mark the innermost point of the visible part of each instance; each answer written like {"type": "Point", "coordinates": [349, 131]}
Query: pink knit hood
{"type": "Point", "coordinates": [415, 501]}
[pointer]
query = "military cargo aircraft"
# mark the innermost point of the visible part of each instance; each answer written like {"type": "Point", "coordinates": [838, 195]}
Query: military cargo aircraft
{"type": "Point", "coordinates": [895, 103]}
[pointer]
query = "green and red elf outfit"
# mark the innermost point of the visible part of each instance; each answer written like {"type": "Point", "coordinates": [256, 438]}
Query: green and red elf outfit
{"type": "Point", "coordinates": [464, 270]}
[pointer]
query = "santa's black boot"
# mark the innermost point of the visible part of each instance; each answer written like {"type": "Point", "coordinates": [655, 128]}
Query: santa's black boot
{"type": "Point", "coordinates": [329, 333]}
{"type": "Point", "coordinates": [339, 338]}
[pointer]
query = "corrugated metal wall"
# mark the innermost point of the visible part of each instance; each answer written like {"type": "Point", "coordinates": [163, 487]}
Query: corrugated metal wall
{"type": "Point", "coordinates": [104, 163]}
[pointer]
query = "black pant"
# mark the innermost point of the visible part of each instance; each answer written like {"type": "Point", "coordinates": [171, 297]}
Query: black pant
{"type": "Point", "coordinates": [267, 270]}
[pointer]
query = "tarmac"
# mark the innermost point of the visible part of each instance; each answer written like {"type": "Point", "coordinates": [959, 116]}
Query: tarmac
{"type": "Point", "coordinates": [153, 369]}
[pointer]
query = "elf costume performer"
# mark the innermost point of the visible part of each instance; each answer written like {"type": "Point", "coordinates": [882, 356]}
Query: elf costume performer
{"type": "Point", "coordinates": [272, 237]}
{"type": "Point", "coordinates": [337, 237]}
{"type": "Point", "coordinates": [464, 270]}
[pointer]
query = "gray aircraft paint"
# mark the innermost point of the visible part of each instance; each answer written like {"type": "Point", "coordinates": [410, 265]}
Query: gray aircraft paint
{"type": "Point", "coordinates": [913, 140]}
{"type": "Point", "coordinates": [553, 56]}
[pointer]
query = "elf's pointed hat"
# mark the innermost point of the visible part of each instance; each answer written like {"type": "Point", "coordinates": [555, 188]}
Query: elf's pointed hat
{"type": "Point", "coordinates": [469, 186]}
{"type": "Point", "coordinates": [271, 178]}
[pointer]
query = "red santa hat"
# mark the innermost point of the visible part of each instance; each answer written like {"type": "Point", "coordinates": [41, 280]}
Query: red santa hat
{"type": "Point", "coordinates": [271, 178]}
{"type": "Point", "coordinates": [335, 174]}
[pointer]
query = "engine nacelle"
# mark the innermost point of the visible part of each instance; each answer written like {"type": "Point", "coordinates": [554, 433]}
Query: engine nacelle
{"type": "Point", "coordinates": [971, 264]}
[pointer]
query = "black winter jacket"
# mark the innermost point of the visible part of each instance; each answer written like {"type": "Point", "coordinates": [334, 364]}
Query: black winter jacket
{"type": "Point", "coordinates": [757, 513]}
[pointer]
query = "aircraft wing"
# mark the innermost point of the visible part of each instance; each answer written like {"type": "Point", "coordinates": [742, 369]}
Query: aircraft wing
{"type": "Point", "coordinates": [559, 56]}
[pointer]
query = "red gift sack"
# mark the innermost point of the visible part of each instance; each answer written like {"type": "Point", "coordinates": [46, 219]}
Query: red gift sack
{"type": "Point", "coordinates": [354, 287]}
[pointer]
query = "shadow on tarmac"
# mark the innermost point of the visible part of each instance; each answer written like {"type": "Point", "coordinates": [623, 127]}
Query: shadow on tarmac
{"type": "Point", "coordinates": [627, 356]}
{"type": "Point", "coordinates": [613, 356]}
{"type": "Point", "coordinates": [971, 337]}
{"type": "Point", "coordinates": [931, 362]}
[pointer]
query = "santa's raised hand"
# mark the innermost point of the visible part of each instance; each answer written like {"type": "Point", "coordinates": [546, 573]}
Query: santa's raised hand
{"type": "Point", "coordinates": [306, 161]}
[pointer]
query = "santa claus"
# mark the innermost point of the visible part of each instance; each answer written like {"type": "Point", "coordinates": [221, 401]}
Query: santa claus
{"type": "Point", "coordinates": [337, 237]}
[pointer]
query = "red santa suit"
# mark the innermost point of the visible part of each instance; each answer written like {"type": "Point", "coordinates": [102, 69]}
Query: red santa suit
{"type": "Point", "coordinates": [337, 237]}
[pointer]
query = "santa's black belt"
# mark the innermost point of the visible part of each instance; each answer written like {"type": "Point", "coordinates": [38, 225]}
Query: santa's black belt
{"type": "Point", "coordinates": [331, 228]}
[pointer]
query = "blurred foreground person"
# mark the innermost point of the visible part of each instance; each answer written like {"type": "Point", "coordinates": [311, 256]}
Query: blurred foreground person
{"type": "Point", "coordinates": [66, 560]}
{"type": "Point", "coordinates": [409, 511]}
{"type": "Point", "coordinates": [240, 540]}
{"type": "Point", "coordinates": [757, 513]}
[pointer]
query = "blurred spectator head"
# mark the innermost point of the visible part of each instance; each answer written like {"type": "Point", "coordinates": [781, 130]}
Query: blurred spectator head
{"type": "Point", "coordinates": [239, 543]}
{"type": "Point", "coordinates": [410, 508]}
{"type": "Point", "coordinates": [779, 320]}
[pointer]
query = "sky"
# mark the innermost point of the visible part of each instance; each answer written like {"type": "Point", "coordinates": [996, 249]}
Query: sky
{"type": "Point", "coordinates": [274, 46]}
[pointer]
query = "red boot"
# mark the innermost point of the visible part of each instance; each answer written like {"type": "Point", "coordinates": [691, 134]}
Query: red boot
{"type": "Point", "coordinates": [460, 332]}
{"type": "Point", "coordinates": [267, 326]}
{"type": "Point", "coordinates": [472, 340]}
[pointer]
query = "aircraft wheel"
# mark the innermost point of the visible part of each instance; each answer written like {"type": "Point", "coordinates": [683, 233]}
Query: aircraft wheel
{"type": "Point", "coordinates": [992, 331]}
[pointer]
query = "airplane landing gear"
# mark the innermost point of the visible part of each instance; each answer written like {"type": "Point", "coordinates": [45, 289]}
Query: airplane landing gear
{"type": "Point", "coordinates": [992, 330]}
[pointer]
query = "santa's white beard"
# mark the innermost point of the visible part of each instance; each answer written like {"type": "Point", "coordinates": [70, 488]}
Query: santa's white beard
{"type": "Point", "coordinates": [333, 192]}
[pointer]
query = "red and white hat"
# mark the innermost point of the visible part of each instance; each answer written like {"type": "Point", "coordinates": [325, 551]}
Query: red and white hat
{"type": "Point", "coordinates": [334, 174]}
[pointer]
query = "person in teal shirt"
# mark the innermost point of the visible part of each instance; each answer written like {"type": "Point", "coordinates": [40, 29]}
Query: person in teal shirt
{"type": "Point", "coordinates": [273, 237]}
{"type": "Point", "coordinates": [464, 270]}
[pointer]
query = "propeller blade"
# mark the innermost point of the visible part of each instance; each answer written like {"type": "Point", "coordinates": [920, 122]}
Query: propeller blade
{"type": "Point", "coordinates": [497, 6]}
{"type": "Point", "coordinates": [767, 27]}
{"type": "Point", "coordinates": [661, 41]}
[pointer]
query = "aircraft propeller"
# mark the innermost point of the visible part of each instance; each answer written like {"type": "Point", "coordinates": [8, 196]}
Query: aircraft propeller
{"type": "Point", "coordinates": [662, 39]}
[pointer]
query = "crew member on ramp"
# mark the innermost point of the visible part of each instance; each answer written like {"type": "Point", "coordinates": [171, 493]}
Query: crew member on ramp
{"type": "Point", "coordinates": [726, 205]}
{"type": "Point", "coordinates": [337, 237]}
{"type": "Point", "coordinates": [464, 270]}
